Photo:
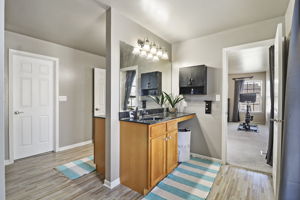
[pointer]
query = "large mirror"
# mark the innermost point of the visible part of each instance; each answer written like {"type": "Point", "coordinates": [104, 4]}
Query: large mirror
{"type": "Point", "coordinates": [140, 77]}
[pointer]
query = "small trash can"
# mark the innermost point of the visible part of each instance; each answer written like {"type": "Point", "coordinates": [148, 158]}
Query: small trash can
{"type": "Point", "coordinates": [184, 141]}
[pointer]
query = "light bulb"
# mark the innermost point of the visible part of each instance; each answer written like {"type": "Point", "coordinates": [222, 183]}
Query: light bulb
{"type": "Point", "coordinates": [159, 52]}
{"type": "Point", "coordinates": [143, 53]}
{"type": "Point", "coordinates": [165, 56]}
{"type": "Point", "coordinates": [146, 46]}
{"type": "Point", "coordinates": [155, 58]}
{"type": "Point", "coordinates": [136, 51]}
{"type": "Point", "coordinates": [150, 56]}
{"type": "Point", "coordinates": [153, 49]}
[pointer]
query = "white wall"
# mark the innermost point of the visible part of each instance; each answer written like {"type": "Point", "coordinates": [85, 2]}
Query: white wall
{"type": "Point", "coordinates": [206, 136]}
{"type": "Point", "coordinates": [75, 82]}
{"type": "Point", "coordinates": [2, 182]}
{"type": "Point", "coordinates": [119, 28]}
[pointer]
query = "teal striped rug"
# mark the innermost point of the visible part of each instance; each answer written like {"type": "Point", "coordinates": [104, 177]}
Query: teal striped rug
{"type": "Point", "coordinates": [77, 168]}
{"type": "Point", "coordinates": [190, 180]}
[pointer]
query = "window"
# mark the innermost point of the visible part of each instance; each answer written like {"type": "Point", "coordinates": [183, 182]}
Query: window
{"type": "Point", "coordinates": [133, 94]}
{"type": "Point", "coordinates": [252, 86]}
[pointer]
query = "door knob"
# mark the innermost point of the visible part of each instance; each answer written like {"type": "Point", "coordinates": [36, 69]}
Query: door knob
{"type": "Point", "coordinates": [96, 109]}
{"type": "Point", "coordinates": [18, 112]}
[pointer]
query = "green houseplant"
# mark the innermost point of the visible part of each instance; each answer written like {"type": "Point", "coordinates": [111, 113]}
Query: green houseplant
{"type": "Point", "coordinates": [160, 100]}
{"type": "Point", "coordinates": [173, 101]}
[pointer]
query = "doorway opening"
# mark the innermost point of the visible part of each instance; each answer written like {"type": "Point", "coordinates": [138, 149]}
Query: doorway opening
{"type": "Point", "coordinates": [248, 105]}
{"type": "Point", "coordinates": [248, 108]}
{"type": "Point", "coordinates": [276, 95]}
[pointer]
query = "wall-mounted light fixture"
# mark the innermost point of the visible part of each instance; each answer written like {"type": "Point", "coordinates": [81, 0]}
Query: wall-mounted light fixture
{"type": "Point", "coordinates": [150, 50]}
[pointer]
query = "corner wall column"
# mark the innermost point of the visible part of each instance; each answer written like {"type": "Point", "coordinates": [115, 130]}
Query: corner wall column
{"type": "Point", "coordinates": [112, 125]}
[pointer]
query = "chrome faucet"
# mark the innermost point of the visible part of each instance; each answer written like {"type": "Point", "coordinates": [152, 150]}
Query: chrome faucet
{"type": "Point", "coordinates": [136, 113]}
{"type": "Point", "coordinates": [144, 112]}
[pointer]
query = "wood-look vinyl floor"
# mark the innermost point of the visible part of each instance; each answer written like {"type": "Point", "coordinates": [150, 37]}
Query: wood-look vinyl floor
{"type": "Point", "coordinates": [35, 178]}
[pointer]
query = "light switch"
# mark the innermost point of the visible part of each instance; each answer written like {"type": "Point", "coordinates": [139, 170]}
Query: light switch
{"type": "Point", "coordinates": [62, 98]}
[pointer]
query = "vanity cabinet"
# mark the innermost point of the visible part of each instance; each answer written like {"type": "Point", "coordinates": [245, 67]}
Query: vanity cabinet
{"type": "Point", "coordinates": [151, 83]}
{"type": "Point", "coordinates": [148, 153]}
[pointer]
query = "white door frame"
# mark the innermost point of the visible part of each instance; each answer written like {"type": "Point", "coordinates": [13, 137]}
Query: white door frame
{"type": "Point", "coordinates": [13, 52]}
{"type": "Point", "coordinates": [225, 88]}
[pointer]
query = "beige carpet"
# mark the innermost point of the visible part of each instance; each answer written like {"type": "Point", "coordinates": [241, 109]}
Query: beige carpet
{"type": "Point", "coordinates": [244, 148]}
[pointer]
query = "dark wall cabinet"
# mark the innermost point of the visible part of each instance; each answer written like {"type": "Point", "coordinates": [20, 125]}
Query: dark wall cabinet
{"type": "Point", "coordinates": [151, 83]}
{"type": "Point", "coordinates": [193, 80]}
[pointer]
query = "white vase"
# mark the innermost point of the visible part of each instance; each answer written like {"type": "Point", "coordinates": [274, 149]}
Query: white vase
{"type": "Point", "coordinates": [172, 110]}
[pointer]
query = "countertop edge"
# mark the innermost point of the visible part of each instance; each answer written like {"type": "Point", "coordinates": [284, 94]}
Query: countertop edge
{"type": "Point", "coordinates": [160, 121]}
{"type": "Point", "coordinates": [100, 116]}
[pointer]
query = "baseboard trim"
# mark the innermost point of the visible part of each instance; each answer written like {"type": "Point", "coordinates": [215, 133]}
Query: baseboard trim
{"type": "Point", "coordinates": [74, 145]}
{"type": "Point", "coordinates": [207, 157]}
{"type": "Point", "coordinates": [8, 162]}
{"type": "Point", "coordinates": [112, 184]}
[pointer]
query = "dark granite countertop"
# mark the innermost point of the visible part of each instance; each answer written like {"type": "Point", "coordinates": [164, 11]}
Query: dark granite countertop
{"type": "Point", "coordinates": [100, 116]}
{"type": "Point", "coordinates": [157, 118]}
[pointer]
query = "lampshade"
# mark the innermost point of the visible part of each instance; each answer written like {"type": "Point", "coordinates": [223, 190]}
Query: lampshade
{"type": "Point", "coordinates": [143, 53]}
{"type": "Point", "coordinates": [146, 46]}
{"type": "Point", "coordinates": [155, 58]}
{"type": "Point", "coordinates": [153, 49]}
{"type": "Point", "coordinates": [136, 51]}
{"type": "Point", "coordinates": [159, 52]}
{"type": "Point", "coordinates": [165, 56]}
{"type": "Point", "coordinates": [149, 56]}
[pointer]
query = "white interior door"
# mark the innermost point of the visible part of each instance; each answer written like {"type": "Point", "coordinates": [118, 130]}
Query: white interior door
{"type": "Point", "coordinates": [99, 91]}
{"type": "Point", "coordinates": [278, 95]}
{"type": "Point", "coordinates": [32, 105]}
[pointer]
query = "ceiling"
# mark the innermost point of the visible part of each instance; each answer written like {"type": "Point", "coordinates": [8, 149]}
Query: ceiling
{"type": "Point", "coordinates": [178, 20]}
{"type": "Point", "coordinates": [248, 60]}
{"type": "Point", "coordinates": [78, 24]}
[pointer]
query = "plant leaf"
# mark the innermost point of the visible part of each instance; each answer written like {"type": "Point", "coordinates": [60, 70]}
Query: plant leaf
{"type": "Point", "coordinates": [173, 100]}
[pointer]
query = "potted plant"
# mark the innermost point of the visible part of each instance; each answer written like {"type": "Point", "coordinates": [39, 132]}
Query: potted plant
{"type": "Point", "coordinates": [173, 101]}
{"type": "Point", "coordinates": [160, 100]}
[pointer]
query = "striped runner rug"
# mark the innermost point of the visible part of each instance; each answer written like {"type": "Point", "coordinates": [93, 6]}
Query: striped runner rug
{"type": "Point", "coordinates": [77, 168]}
{"type": "Point", "coordinates": [190, 180]}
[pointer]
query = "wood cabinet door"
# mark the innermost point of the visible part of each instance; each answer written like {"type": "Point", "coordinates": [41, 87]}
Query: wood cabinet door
{"type": "Point", "coordinates": [157, 159]}
{"type": "Point", "coordinates": [194, 76]}
{"type": "Point", "coordinates": [172, 151]}
{"type": "Point", "coordinates": [145, 81]}
{"type": "Point", "coordinates": [99, 144]}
